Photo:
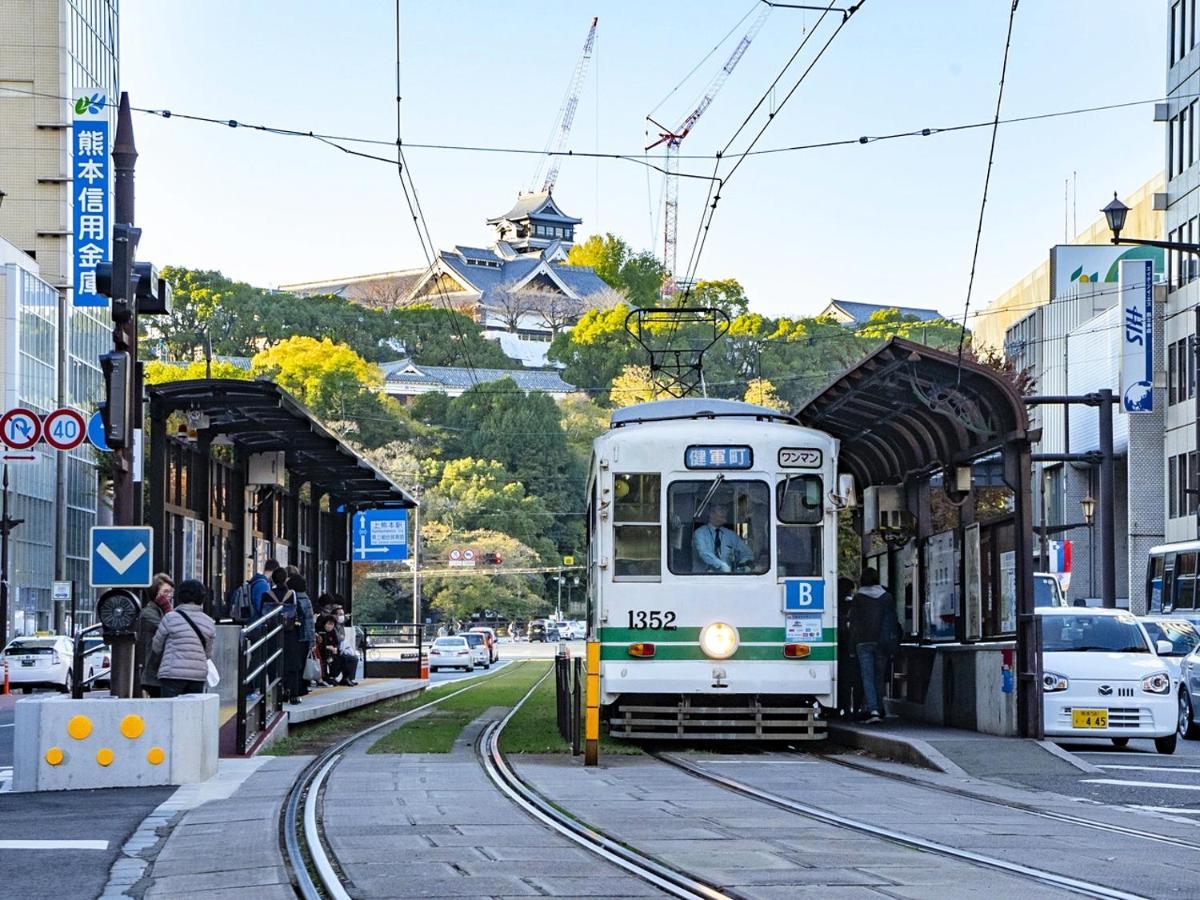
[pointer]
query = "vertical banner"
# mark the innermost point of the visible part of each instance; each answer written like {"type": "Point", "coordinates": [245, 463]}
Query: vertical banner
{"type": "Point", "coordinates": [1137, 336]}
{"type": "Point", "coordinates": [973, 585]}
{"type": "Point", "coordinates": [91, 165]}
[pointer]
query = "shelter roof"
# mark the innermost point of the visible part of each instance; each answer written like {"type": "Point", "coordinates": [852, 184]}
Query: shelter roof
{"type": "Point", "coordinates": [260, 417]}
{"type": "Point", "coordinates": [907, 408]}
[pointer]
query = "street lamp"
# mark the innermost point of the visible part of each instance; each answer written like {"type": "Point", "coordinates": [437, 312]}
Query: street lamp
{"type": "Point", "coordinates": [1116, 212]}
{"type": "Point", "coordinates": [1088, 507]}
{"type": "Point", "coordinates": [2, 196]}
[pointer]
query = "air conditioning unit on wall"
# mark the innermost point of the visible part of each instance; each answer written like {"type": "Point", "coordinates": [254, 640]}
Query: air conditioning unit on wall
{"type": "Point", "coordinates": [883, 505]}
{"type": "Point", "coordinates": [266, 469]}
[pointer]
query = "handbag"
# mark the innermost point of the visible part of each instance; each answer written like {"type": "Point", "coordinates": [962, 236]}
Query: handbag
{"type": "Point", "coordinates": [213, 678]}
{"type": "Point", "coordinates": [312, 669]}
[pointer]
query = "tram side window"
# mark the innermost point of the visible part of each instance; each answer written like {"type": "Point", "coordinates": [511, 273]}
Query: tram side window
{"type": "Point", "coordinates": [1185, 580]}
{"type": "Point", "coordinates": [1154, 581]}
{"type": "Point", "coordinates": [637, 528]}
{"type": "Point", "coordinates": [800, 510]}
{"type": "Point", "coordinates": [719, 527]}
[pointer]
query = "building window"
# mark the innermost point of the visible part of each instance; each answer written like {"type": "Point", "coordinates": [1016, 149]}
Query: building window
{"type": "Point", "coordinates": [1171, 363]}
{"type": "Point", "coordinates": [1185, 148]}
{"type": "Point", "coordinates": [1171, 125]}
{"type": "Point", "coordinates": [1172, 486]}
{"type": "Point", "coordinates": [1178, 30]}
{"type": "Point", "coordinates": [1185, 346]}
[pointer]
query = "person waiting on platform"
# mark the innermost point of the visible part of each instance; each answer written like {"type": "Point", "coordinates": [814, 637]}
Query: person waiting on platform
{"type": "Point", "coordinates": [184, 640]}
{"type": "Point", "coordinates": [716, 547]}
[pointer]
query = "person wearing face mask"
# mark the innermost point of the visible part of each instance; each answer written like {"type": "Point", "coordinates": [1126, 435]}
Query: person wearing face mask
{"type": "Point", "coordinates": [162, 591]}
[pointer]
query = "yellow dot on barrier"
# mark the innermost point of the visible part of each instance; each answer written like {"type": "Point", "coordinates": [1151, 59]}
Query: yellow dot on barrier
{"type": "Point", "coordinates": [133, 726]}
{"type": "Point", "coordinates": [79, 727]}
{"type": "Point", "coordinates": [104, 756]}
{"type": "Point", "coordinates": [55, 756]}
{"type": "Point", "coordinates": [155, 756]}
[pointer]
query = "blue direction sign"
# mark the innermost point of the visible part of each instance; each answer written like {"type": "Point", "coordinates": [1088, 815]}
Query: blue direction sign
{"type": "Point", "coordinates": [122, 556]}
{"type": "Point", "coordinates": [380, 535]}
{"type": "Point", "coordinates": [95, 431]}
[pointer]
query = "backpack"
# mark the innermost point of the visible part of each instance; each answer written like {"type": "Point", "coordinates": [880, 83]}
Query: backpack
{"type": "Point", "coordinates": [241, 603]}
{"type": "Point", "coordinates": [289, 611]}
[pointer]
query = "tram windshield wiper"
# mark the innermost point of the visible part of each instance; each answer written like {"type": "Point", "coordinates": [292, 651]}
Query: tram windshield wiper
{"type": "Point", "coordinates": [700, 510]}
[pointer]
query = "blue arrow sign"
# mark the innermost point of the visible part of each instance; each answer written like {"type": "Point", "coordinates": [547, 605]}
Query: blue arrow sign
{"type": "Point", "coordinates": [95, 431]}
{"type": "Point", "coordinates": [380, 535]}
{"type": "Point", "coordinates": [122, 556]}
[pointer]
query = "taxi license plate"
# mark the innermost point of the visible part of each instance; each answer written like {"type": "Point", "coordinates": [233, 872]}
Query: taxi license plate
{"type": "Point", "coordinates": [28, 662]}
{"type": "Point", "coordinates": [1089, 718]}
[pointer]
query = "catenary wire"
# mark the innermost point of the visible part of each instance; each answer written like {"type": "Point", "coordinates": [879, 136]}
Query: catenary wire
{"type": "Point", "coordinates": [987, 180]}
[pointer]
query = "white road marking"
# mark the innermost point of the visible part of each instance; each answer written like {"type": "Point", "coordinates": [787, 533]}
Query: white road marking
{"type": "Point", "coordinates": [53, 845]}
{"type": "Point", "coordinates": [1152, 768]}
{"type": "Point", "coordinates": [9, 725]}
{"type": "Point", "coordinates": [1146, 784]}
{"type": "Point", "coordinates": [1168, 809]}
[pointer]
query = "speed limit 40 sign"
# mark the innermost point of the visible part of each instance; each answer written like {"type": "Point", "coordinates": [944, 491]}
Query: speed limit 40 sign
{"type": "Point", "coordinates": [64, 429]}
{"type": "Point", "coordinates": [21, 429]}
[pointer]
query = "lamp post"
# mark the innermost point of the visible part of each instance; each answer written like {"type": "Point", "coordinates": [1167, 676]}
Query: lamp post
{"type": "Point", "coordinates": [2, 196]}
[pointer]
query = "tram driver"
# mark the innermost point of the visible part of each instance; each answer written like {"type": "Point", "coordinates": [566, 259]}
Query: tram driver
{"type": "Point", "coordinates": [716, 547]}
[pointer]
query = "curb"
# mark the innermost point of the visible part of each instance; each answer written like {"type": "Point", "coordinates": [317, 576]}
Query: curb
{"type": "Point", "coordinates": [887, 745]}
{"type": "Point", "coordinates": [1070, 758]}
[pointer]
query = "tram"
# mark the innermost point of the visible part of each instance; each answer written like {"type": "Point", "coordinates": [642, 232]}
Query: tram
{"type": "Point", "coordinates": [713, 564]}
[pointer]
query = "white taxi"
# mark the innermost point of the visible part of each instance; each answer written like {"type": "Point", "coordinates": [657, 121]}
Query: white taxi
{"type": "Point", "coordinates": [1101, 678]}
{"type": "Point", "coordinates": [40, 662]}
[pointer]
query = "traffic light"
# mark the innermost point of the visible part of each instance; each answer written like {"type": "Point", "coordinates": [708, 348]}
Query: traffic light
{"type": "Point", "coordinates": [118, 280]}
{"type": "Point", "coordinates": [492, 559]}
{"type": "Point", "coordinates": [153, 291]}
{"type": "Point", "coordinates": [114, 411]}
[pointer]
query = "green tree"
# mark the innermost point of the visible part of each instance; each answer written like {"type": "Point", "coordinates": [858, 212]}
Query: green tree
{"type": "Point", "coordinates": [635, 384]}
{"type": "Point", "coordinates": [888, 323]}
{"type": "Point", "coordinates": [761, 392]}
{"type": "Point", "coordinates": [335, 383]}
{"type": "Point", "coordinates": [726, 294]}
{"type": "Point", "coordinates": [158, 372]}
{"type": "Point", "coordinates": [433, 336]}
{"type": "Point", "coordinates": [638, 276]}
{"type": "Point", "coordinates": [583, 420]}
{"type": "Point", "coordinates": [596, 349]}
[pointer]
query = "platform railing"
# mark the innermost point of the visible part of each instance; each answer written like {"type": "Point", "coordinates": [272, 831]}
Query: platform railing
{"type": "Point", "coordinates": [78, 682]}
{"type": "Point", "coordinates": [568, 692]}
{"type": "Point", "coordinates": [391, 649]}
{"type": "Point", "coordinates": [260, 677]}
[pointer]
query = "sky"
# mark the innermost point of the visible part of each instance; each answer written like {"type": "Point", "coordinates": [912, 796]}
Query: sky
{"type": "Point", "coordinates": [887, 222]}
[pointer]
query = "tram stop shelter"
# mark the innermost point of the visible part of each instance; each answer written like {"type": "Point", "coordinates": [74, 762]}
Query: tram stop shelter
{"type": "Point", "coordinates": [240, 472]}
{"type": "Point", "coordinates": [939, 449]}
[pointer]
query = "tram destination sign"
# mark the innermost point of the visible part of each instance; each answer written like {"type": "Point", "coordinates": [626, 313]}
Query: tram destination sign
{"type": "Point", "coordinates": [723, 456]}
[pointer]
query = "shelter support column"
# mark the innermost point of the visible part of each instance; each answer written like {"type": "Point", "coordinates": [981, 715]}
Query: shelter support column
{"type": "Point", "coordinates": [314, 541]}
{"type": "Point", "coordinates": [1017, 468]}
{"type": "Point", "coordinates": [157, 479]}
{"type": "Point", "coordinates": [202, 504]}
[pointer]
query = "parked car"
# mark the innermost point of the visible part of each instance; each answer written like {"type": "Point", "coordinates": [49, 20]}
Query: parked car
{"type": "Point", "coordinates": [1102, 679]}
{"type": "Point", "coordinates": [451, 653]}
{"type": "Point", "coordinates": [553, 635]}
{"type": "Point", "coordinates": [1181, 634]}
{"type": "Point", "coordinates": [493, 645]}
{"type": "Point", "coordinates": [1189, 694]}
{"type": "Point", "coordinates": [1047, 591]}
{"type": "Point", "coordinates": [480, 654]}
{"type": "Point", "coordinates": [97, 662]}
{"type": "Point", "coordinates": [537, 632]}
{"type": "Point", "coordinates": [43, 662]}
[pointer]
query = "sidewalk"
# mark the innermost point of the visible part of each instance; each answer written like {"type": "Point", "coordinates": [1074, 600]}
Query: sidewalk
{"type": "Point", "coordinates": [955, 751]}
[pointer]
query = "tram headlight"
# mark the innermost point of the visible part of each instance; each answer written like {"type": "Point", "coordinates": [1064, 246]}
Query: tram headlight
{"type": "Point", "coordinates": [718, 640]}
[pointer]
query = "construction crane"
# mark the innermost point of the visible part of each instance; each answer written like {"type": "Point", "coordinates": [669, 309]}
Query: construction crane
{"type": "Point", "coordinates": [556, 143]}
{"type": "Point", "coordinates": [672, 138]}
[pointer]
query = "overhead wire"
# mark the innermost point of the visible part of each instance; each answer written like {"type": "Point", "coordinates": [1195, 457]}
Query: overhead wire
{"type": "Point", "coordinates": [987, 179]}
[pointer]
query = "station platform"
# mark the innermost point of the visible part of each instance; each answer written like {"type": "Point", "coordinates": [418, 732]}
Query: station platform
{"type": "Point", "coordinates": [955, 751]}
{"type": "Point", "coordinates": [331, 701]}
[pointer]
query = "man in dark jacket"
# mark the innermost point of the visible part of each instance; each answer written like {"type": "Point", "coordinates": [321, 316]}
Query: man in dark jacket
{"type": "Point", "coordinates": [874, 631]}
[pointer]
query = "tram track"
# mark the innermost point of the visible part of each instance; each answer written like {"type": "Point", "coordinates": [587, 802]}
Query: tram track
{"type": "Point", "coordinates": [829, 817]}
{"type": "Point", "coordinates": [316, 873]}
{"type": "Point", "coordinates": [1053, 815]}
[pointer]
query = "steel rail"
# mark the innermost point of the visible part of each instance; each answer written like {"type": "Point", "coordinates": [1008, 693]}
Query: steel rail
{"type": "Point", "coordinates": [1068, 818]}
{"type": "Point", "coordinates": [673, 881]}
{"type": "Point", "coordinates": [914, 842]}
{"type": "Point", "coordinates": [305, 791]}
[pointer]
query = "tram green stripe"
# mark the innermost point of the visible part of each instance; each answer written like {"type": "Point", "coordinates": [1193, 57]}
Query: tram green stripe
{"type": "Point", "coordinates": [692, 635]}
{"type": "Point", "coordinates": [820, 653]}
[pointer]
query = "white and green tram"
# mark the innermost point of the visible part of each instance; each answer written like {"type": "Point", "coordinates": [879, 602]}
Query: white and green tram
{"type": "Point", "coordinates": [712, 572]}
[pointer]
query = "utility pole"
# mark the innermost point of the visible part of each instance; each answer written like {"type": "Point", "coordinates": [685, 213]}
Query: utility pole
{"type": "Point", "coordinates": [6, 526]}
{"type": "Point", "coordinates": [1108, 532]}
{"type": "Point", "coordinates": [124, 314]}
{"type": "Point", "coordinates": [416, 555]}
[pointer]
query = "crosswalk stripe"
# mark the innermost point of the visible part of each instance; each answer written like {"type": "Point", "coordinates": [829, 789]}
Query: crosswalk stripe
{"type": "Point", "coordinates": [1144, 784]}
{"type": "Point", "coordinates": [53, 845]}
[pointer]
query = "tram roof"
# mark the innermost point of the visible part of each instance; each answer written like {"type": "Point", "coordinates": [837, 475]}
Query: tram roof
{"type": "Point", "coordinates": [907, 408]}
{"type": "Point", "coordinates": [259, 416]}
{"type": "Point", "coordinates": [693, 408]}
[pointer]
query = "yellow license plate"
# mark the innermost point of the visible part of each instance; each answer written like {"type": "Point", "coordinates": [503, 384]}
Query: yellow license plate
{"type": "Point", "coordinates": [1089, 718]}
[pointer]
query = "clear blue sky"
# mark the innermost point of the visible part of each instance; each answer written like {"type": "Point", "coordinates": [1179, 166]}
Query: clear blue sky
{"type": "Point", "coordinates": [890, 222]}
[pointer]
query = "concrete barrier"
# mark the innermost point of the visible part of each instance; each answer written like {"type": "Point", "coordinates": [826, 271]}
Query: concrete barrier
{"type": "Point", "coordinates": [63, 744]}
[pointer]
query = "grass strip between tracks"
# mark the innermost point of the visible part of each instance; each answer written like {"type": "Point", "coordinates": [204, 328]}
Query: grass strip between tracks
{"type": "Point", "coordinates": [437, 730]}
{"type": "Point", "coordinates": [324, 733]}
{"type": "Point", "coordinates": [534, 729]}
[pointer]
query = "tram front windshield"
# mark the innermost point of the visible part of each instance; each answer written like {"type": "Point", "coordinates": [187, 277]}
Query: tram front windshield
{"type": "Point", "coordinates": [719, 527]}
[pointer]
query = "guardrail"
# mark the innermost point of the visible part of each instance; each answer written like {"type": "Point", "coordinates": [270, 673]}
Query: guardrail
{"type": "Point", "coordinates": [78, 682]}
{"type": "Point", "coordinates": [391, 649]}
{"type": "Point", "coordinates": [568, 691]}
{"type": "Point", "coordinates": [260, 677]}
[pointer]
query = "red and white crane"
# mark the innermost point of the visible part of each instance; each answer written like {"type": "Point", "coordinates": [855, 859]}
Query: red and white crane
{"type": "Point", "coordinates": [672, 138]}
{"type": "Point", "coordinates": [556, 143]}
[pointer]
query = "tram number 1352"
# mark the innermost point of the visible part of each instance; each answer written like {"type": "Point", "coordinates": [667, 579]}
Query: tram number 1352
{"type": "Point", "coordinates": [641, 620]}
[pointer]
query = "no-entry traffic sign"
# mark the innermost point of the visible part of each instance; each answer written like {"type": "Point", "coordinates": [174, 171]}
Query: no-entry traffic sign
{"type": "Point", "coordinates": [20, 428]}
{"type": "Point", "coordinates": [64, 429]}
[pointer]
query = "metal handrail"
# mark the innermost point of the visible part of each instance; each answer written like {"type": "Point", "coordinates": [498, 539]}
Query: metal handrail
{"type": "Point", "coordinates": [77, 679]}
{"type": "Point", "coordinates": [265, 678]}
